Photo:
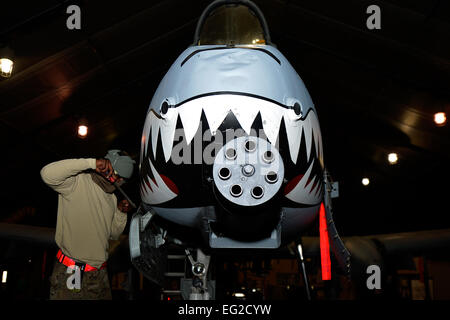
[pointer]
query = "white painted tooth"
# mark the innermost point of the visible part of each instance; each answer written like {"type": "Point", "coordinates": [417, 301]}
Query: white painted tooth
{"type": "Point", "coordinates": [162, 193]}
{"type": "Point", "coordinates": [294, 135]}
{"type": "Point", "coordinates": [317, 137]}
{"type": "Point", "coordinates": [299, 188]}
{"type": "Point", "coordinates": [306, 177]}
{"type": "Point", "coordinates": [143, 142]}
{"type": "Point", "coordinates": [143, 189]}
{"type": "Point", "coordinates": [308, 135]}
{"type": "Point", "coordinates": [150, 187]}
{"type": "Point", "coordinates": [321, 154]}
{"type": "Point", "coordinates": [271, 120]}
{"type": "Point", "coordinates": [319, 143]}
{"type": "Point", "coordinates": [299, 194]}
{"type": "Point", "coordinates": [154, 193]}
{"type": "Point", "coordinates": [313, 180]}
{"type": "Point", "coordinates": [159, 192]}
{"type": "Point", "coordinates": [316, 132]}
{"type": "Point", "coordinates": [320, 149]}
{"type": "Point", "coordinates": [167, 131]}
{"type": "Point", "coordinates": [146, 192]}
{"type": "Point", "coordinates": [318, 190]}
{"type": "Point", "coordinates": [316, 142]}
{"type": "Point", "coordinates": [153, 186]}
{"type": "Point", "coordinates": [246, 115]}
{"type": "Point", "coordinates": [215, 115]}
{"type": "Point", "coordinates": [314, 194]}
{"type": "Point", "coordinates": [190, 114]}
{"type": "Point", "coordinates": [146, 135]}
{"type": "Point", "coordinates": [155, 132]}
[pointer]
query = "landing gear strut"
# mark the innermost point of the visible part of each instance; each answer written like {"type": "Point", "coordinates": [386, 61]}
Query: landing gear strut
{"type": "Point", "coordinates": [201, 288]}
{"type": "Point", "coordinates": [302, 264]}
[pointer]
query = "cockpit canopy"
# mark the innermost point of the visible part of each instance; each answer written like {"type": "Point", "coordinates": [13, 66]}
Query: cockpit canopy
{"type": "Point", "coordinates": [232, 23]}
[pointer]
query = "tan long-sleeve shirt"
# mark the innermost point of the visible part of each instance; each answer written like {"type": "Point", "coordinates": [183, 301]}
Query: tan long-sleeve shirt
{"type": "Point", "coordinates": [87, 216]}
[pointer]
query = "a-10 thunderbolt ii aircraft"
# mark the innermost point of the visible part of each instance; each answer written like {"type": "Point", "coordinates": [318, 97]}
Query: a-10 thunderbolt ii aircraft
{"type": "Point", "coordinates": [231, 151]}
{"type": "Point", "coordinates": [233, 90]}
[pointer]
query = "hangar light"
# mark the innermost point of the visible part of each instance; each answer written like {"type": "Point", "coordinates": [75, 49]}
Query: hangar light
{"type": "Point", "coordinates": [440, 118]}
{"type": "Point", "coordinates": [6, 66]}
{"type": "Point", "coordinates": [82, 128]}
{"type": "Point", "coordinates": [4, 276]}
{"type": "Point", "coordinates": [365, 181]}
{"type": "Point", "coordinates": [82, 131]}
{"type": "Point", "coordinates": [393, 158]}
{"type": "Point", "coordinates": [6, 62]}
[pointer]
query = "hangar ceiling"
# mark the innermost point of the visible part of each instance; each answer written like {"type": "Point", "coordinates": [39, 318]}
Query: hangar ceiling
{"type": "Point", "coordinates": [375, 92]}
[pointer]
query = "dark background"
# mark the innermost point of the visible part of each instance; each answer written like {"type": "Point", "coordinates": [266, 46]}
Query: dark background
{"type": "Point", "coordinates": [375, 92]}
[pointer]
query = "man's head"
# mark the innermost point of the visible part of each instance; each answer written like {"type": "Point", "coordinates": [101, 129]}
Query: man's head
{"type": "Point", "coordinates": [122, 164]}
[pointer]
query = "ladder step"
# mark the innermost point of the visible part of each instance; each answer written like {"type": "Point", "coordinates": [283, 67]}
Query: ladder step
{"type": "Point", "coordinates": [174, 274]}
{"type": "Point", "coordinates": [176, 256]}
{"type": "Point", "coordinates": [172, 291]}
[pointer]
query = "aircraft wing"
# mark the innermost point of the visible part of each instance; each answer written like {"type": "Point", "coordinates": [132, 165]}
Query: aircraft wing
{"type": "Point", "coordinates": [417, 242]}
{"type": "Point", "coordinates": [380, 249]}
{"type": "Point", "coordinates": [365, 250]}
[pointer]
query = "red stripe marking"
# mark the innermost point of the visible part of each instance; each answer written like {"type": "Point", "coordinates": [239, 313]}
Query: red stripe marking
{"type": "Point", "coordinates": [324, 245]}
{"type": "Point", "coordinates": [148, 185]}
{"type": "Point", "coordinates": [291, 184]}
{"type": "Point", "coordinates": [170, 184]}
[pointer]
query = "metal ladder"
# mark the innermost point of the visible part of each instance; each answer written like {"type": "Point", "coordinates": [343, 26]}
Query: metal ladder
{"type": "Point", "coordinates": [174, 274]}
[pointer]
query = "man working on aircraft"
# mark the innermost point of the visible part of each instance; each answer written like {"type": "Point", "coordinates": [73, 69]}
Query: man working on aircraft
{"type": "Point", "coordinates": [88, 217]}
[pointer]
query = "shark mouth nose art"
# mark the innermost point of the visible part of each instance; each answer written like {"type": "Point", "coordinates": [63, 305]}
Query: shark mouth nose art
{"type": "Point", "coordinates": [303, 184]}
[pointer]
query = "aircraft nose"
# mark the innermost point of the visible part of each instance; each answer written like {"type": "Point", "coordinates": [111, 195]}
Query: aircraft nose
{"type": "Point", "coordinates": [248, 171]}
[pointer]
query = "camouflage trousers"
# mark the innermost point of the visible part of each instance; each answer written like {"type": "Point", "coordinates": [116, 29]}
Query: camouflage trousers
{"type": "Point", "coordinates": [93, 285]}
